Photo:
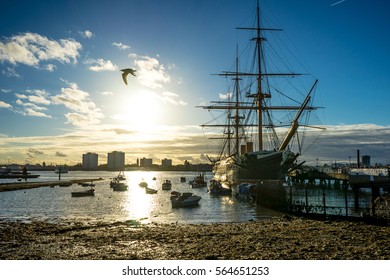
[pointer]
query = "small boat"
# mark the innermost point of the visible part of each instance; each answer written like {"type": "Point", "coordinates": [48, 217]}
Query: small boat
{"type": "Point", "coordinates": [182, 179]}
{"type": "Point", "coordinates": [143, 184]}
{"type": "Point", "coordinates": [88, 184]}
{"type": "Point", "coordinates": [246, 190]}
{"type": "Point", "coordinates": [199, 181]}
{"type": "Point", "coordinates": [217, 188]}
{"type": "Point", "coordinates": [113, 182]}
{"type": "Point", "coordinates": [117, 180]}
{"type": "Point", "coordinates": [65, 184]}
{"type": "Point", "coordinates": [7, 173]}
{"type": "Point", "coordinates": [181, 200]}
{"type": "Point", "coordinates": [121, 176]}
{"type": "Point", "coordinates": [90, 192]}
{"type": "Point", "coordinates": [120, 187]}
{"type": "Point", "coordinates": [150, 191]}
{"type": "Point", "coordinates": [166, 185]}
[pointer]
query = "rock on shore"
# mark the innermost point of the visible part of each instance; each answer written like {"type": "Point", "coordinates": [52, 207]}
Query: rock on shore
{"type": "Point", "coordinates": [287, 238]}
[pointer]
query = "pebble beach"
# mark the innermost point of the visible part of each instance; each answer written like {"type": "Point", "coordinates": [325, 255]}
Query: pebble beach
{"type": "Point", "coordinates": [287, 238]}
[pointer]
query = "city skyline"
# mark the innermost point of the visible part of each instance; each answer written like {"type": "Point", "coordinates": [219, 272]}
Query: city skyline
{"type": "Point", "coordinates": [62, 94]}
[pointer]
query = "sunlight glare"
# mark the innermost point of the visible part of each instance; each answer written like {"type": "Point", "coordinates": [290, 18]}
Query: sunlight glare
{"type": "Point", "coordinates": [141, 110]}
{"type": "Point", "coordinates": [139, 205]}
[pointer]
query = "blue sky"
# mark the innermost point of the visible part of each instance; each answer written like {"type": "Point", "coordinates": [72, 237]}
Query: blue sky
{"type": "Point", "coordinates": [62, 95]}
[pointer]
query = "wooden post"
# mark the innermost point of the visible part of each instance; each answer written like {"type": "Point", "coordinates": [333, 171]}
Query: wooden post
{"type": "Point", "coordinates": [306, 201]}
{"type": "Point", "coordinates": [374, 194]}
{"type": "Point", "coordinates": [346, 201]}
{"type": "Point", "coordinates": [291, 201]}
{"type": "Point", "coordinates": [356, 196]}
{"type": "Point", "coordinates": [324, 201]}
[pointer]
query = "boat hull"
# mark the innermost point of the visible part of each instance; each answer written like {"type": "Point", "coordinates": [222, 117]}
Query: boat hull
{"type": "Point", "coordinates": [83, 193]}
{"type": "Point", "coordinates": [166, 185]}
{"type": "Point", "coordinates": [150, 191]}
{"type": "Point", "coordinates": [119, 187]}
{"type": "Point", "coordinates": [184, 200]}
{"type": "Point", "coordinates": [254, 167]}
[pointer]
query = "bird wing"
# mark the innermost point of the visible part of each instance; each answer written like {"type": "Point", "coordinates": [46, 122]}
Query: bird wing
{"type": "Point", "coordinates": [132, 72]}
{"type": "Point", "coordinates": [124, 76]}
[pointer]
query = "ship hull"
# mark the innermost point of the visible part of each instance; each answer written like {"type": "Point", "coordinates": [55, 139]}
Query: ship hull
{"type": "Point", "coordinates": [254, 167]}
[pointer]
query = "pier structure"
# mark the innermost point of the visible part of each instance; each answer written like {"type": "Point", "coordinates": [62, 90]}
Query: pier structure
{"type": "Point", "coordinates": [379, 184]}
{"type": "Point", "coordinates": [324, 178]}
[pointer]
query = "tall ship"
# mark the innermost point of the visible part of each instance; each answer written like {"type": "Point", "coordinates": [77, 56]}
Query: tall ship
{"type": "Point", "coordinates": [264, 110]}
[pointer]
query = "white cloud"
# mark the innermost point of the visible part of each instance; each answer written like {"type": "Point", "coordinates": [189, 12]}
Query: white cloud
{"type": "Point", "coordinates": [32, 48]}
{"type": "Point", "coordinates": [84, 111]}
{"type": "Point", "coordinates": [9, 71]}
{"type": "Point", "coordinates": [31, 108]}
{"type": "Point", "coordinates": [225, 96]}
{"type": "Point", "coordinates": [172, 98]}
{"type": "Point", "coordinates": [121, 46]}
{"type": "Point", "coordinates": [50, 67]}
{"type": "Point", "coordinates": [30, 105]}
{"type": "Point", "coordinates": [107, 93]}
{"type": "Point", "coordinates": [34, 113]}
{"type": "Point", "coordinates": [86, 34]}
{"type": "Point", "coordinates": [5, 105]}
{"type": "Point", "coordinates": [100, 65]}
{"type": "Point", "coordinates": [38, 96]}
{"type": "Point", "coordinates": [150, 72]}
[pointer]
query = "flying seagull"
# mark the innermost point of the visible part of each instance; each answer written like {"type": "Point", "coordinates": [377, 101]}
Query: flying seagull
{"type": "Point", "coordinates": [126, 72]}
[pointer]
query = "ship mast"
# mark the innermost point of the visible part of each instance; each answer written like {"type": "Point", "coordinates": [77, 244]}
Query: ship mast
{"type": "Point", "coordinates": [260, 96]}
{"type": "Point", "coordinates": [262, 93]}
{"type": "Point", "coordinates": [236, 115]}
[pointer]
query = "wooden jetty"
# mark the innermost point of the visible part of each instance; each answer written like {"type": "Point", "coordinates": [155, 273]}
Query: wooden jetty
{"type": "Point", "coordinates": [311, 176]}
{"type": "Point", "coordinates": [356, 181]}
{"type": "Point", "coordinates": [30, 185]}
{"type": "Point", "coordinates": [340, 178]}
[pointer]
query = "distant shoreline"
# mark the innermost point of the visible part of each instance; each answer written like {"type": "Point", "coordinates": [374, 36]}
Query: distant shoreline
{"type": "Point", "coordinates": [178, 168]}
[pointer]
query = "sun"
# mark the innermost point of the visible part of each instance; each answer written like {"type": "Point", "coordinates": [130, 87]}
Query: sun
{"type": "Point", "coordinates": [141, 111]}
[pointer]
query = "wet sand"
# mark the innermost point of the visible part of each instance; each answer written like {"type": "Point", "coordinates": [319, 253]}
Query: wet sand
{"type": "Point", "coordinates": [277, 239]}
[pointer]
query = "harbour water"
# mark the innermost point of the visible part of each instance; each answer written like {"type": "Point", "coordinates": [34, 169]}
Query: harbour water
{"type": "Point", "coordinates": [56, 204]}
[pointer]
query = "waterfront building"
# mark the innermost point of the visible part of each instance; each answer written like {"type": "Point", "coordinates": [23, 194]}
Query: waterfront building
{"type": "Point", "coordinates": [366, 161]}
{"type": "Point", "coordinates": [145, 162]}
{"type": "Point", "coordinates": [116, 160]}
{"type": "Point", "coordinates": [166, 163]}
{"type": "Point", "coordinates": [90, 161]}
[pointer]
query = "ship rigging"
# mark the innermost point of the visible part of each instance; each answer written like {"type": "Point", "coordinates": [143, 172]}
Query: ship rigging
{"type": "Point", "coordinates": [244, 155]}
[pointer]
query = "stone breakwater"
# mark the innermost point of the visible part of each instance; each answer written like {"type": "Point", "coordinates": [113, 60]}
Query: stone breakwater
{"type": "Point", "coordinates": [275, 239]}
{"type": "Point", "coordinates": [4, 187]}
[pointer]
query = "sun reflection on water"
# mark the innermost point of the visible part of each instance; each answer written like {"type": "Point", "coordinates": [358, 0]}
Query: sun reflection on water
{"type": "Point", "coordinates": [138, 204]}
{"type": "Point", "coordinates": [133, 205]}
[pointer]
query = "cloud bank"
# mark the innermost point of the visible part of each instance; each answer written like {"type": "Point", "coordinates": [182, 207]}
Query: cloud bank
{"type": "Point", "coordinates": [83, 111]}
{"type": "Point", "coordinates": [32, 49]}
